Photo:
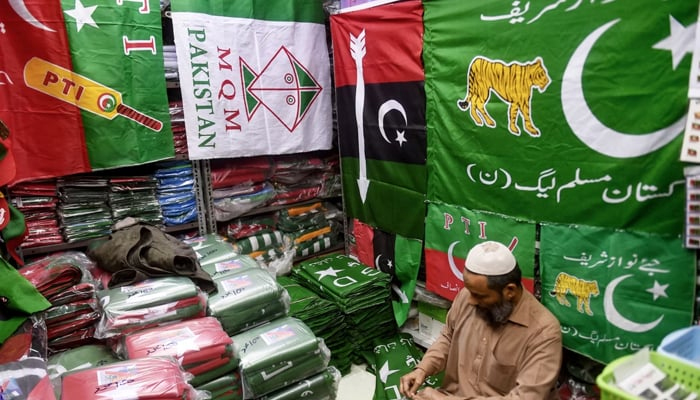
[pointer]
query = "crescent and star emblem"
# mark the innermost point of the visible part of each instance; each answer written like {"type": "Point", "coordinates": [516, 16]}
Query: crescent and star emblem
{"type": "Point", "coordinates": [589, 129]}
{"type": "Point", "coordinates": [457, 272]}
{"type": "Point", "coordinates": [21, 9]}
{"type": "Point", "coordinates": [613, 315]}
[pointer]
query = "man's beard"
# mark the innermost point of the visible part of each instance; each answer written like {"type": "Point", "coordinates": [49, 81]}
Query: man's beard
{"type": "Point", "coordinates": [497, 314]}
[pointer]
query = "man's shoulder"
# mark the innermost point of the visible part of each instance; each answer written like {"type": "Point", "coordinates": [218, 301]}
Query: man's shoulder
{"type": "Point", "coordinates": [541, 316]}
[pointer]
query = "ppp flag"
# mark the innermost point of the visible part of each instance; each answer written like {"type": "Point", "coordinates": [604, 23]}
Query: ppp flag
{"type": "Point", "coordinates": [82, 86]}
{"type": "Point", "coordinates": [451, 231]}
{"type": "Point", "coordinates": [381, 115]}
{"type": "Point", "coordinates": [395, 255]}
{"type": "Point", "coordinates": [560, 127]}
{"type": "Point", "coordinates": [254, 75]}
{"type": "Point", "coordinates": [615, 292]}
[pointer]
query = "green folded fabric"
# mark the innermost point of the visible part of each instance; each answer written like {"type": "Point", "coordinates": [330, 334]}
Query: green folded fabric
{"type": "Point", "coordinates": [232, 380]}
{"type": "Point", "coordinates": [323, 386]}
{"type": "Point", "coordinates": [246, 299]}
{"type": "Point", "coordinates": [215, 373]}
{"type": "Point", "coordinates": [148, 293]}
{"type": "Point", "coordinates": [237, 263]}
{"type": "Point", "coordinates": [23, 299]}
{"type": "Point", "coordinates": [277, 354]}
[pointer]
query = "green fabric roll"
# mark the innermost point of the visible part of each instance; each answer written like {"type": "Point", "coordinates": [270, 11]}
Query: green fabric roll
{"type": "Point", "coordinates": [232, 380]}
{"type": "Point", "coordinates": [236, 263]}
{"type": "Point", "coordinates": [215, 252]}
{"type": "Point", "coordinates": [148, 293]}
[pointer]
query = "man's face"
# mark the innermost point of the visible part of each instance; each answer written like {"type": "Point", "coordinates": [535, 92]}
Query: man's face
{"type": "Point", "coordinates": [490, 304]}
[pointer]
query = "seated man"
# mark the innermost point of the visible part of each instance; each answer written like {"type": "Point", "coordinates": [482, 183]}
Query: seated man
{"type": "Point", "coordinates": [498, 340]}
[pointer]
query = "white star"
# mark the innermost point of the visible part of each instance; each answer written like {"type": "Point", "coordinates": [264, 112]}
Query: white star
{"type": "Point", "coordinates": [384, 372]}
{"type": "Point", "coordinates": [401, 138]}
{"type": "Point", "coordinates": [327, 272]}
{"type": "Point", "coordinates": [82, 15]}
{"type": "Point", "coordinates": [658, 290]}
{"type": "Point", "coordinates": [679, 42]}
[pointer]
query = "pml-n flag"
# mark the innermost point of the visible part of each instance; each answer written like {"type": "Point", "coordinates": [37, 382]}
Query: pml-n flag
{"type": "Point", "coordinates": [451, 231]}
{"type": "Point", "coordinates": [615, 292]}
{"type": "Point", "coordinates": [254, 75]}
{"type": "Point", "coordinates": [381, 115]}
{"type": "Point", "coordinates": [395, 255]}
{"type": "Point", "coordinates": [82, 86]}
{"type": "Point", "coordinates": [561, 111]}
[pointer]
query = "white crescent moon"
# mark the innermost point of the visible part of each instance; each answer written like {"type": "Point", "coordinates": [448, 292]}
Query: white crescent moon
{"type": "Point", "coordinates": [21, 10]}
{"type": "Point", "coordinates": [588, 128]}
{"type": "Point", "coordinates": [376, 261]}
{"type": "Point", "coordinates": [456, 271]}
{"type": "Point", "coordinates": [384, 109]}
{"type": "Point", "coordinates": [614, 317]}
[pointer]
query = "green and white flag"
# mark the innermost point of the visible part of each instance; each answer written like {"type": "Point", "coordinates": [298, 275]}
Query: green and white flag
{"type": "Point", "coordinates": [254, 75]}
{"type": "Point", "coordinates": [615, 292]}
{"type": "Point", "coordinates": [560, 111]}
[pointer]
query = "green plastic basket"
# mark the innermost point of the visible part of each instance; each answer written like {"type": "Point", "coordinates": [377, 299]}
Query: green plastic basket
{"type": "Point", "coordinates": [683, 373]}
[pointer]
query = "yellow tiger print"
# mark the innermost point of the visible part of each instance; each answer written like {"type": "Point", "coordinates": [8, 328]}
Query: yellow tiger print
{"type": "Point", "coordinates": [580, 288]}
{"type": "Point", "coordinates": [512, 83]}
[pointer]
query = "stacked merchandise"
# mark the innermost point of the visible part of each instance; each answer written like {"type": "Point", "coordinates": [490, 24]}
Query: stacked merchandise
{"type": "Point", "coordinates": [200, 345]}
{"type": "Point", "coordinates": [83, 210]}
{"type": "Point", "coordinates": [170, 63]}
{"type": "Point", "coordinates": [314, 228]}
{"type": "Point", "coordinates": [322, 386]}
{"type": "Point", "coordinates": [362, 294]}
{"type": "Point", "coordinates": [134, 197]}
{"type": "Point", "coordinates": [240, 185]}
{"type": "Point", "coordinates": [142, 378]}
{"type": "Point", "coordinates": [176, 193]}
{"type": "Point", "coordinates": [324, 318]}
{"type": "Point", "coordinates": [86, 356]}
{"type": "Point", "coordinates": [177, 121]}
{"type": "Point", "coordinates": [299, 178]}
{"type": "Point", "coordinates": [38, 202]}
{"type": "Point", "coordinates": [278, 355]}
{"type": "Point", "coordinates": [65, 281]}
{"type": "Point", "coordinates": [147, 304]}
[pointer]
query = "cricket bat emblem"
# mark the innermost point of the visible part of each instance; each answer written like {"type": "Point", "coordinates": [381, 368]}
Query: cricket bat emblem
{"type": "Point", "coordinates": [84, 93]}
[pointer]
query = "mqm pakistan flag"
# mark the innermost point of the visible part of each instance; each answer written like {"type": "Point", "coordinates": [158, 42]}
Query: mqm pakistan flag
{"type": "Point", "coordinates": [254, 75]}
{"type": "Point", "coordinates": [560, 111]}
{"type": "Point", "coordinates": [615, 292]}
{"type": "Point", "coordinates": [82, 86]}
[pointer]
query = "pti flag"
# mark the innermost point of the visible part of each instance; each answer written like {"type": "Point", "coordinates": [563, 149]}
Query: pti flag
{"type": "Point", "coordinates": [451, 231]}
{"type": "Point", "coordinates": [381, 115]}
{"type": "Point", "coordinates": [395, 255]}
{"type": "Point", "coordinates": [254, 76]}
{"type": "Point", "coordinates": [615, 292]}
{"type": "Point", "coordinates": [82, 86]}
{"type": "Point", "coordinates": [573, 111]}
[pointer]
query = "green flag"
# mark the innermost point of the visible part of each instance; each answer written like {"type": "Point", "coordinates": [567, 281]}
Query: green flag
{"type": "Point", "coordinates": [451, 231]}
{"type": "Point", "coordinates": [547, 110]}
{"type": "Point", "coordinates": [615, 292]}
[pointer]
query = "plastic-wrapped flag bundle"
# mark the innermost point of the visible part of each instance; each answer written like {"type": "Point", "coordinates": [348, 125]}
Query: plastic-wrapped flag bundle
{"type": "Point", "coordinates": [147, 304]}
{"type": "Point", "coordinates": [176, 193]}
{"type": "Point", "coordinates": [246, 299]}
{"type": "Point", "coordinates": [279, 354]}
{"type": "Point", "coordinates": [143, 378]}
{"type": "Point", "coordinates": [200, 346]}
{"type": "Point", "coordinates": [88, 356]}
{"type": "Point", "coordinates": [323, 386]}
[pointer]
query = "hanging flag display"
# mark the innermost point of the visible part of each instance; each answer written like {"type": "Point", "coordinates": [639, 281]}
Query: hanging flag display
{"type": "Point", "coordinates": [451, 231]}
{"type": "Point", "coordinates": [254, 76]}
{"type": "Point", "coordinates": [381, 115]}
{"type": "Point", "coordinates": [615, 292]}
{"type": "Point", "coordinates": [395, 255]}
{"type": "Point", "coordinates": [82, 86]}
{"type": "Point", "coordinates": [560, 111]}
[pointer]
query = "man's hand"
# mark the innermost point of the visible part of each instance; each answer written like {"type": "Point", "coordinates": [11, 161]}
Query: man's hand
{"type": "Point", "coordinates": [411, 382]}
{"type": "Point", "coordinates": [429, 394]}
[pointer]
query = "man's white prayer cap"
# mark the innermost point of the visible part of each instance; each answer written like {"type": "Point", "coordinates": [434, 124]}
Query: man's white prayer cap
{"type": "Point", "coordinates": [490, 258]}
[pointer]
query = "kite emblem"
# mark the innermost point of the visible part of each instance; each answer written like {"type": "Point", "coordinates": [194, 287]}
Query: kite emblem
{"type": "Point", "coordinates": [284, 86]}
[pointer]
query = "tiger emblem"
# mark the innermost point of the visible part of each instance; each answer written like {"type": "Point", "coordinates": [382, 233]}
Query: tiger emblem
{"type": "Point", "coordinates": [580, 288]}
{"type": "Point", "coordinates": [512, 83]}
